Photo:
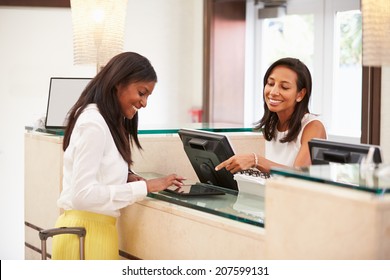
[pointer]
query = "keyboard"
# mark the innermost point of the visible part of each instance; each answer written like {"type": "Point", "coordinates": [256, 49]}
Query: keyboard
{"type": "Point", "coordinates": [255, 173]}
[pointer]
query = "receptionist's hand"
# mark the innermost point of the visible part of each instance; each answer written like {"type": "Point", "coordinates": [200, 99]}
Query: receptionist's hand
{"type": "Point", "coordinates": [237, 163]}
{"type": "Point", "coordinates": [159, 184]}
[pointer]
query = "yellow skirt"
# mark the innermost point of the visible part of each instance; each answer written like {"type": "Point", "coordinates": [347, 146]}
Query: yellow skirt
{"type": "Point", "coordinates": [101, 240]}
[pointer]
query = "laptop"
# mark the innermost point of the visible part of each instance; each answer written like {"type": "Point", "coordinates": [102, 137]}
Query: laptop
{"type": "Point", "coordinates": [63, 94]}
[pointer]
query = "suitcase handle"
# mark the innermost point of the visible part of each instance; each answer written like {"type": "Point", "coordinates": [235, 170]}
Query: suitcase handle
{"type": "Point", "coordinates": [46, 233]}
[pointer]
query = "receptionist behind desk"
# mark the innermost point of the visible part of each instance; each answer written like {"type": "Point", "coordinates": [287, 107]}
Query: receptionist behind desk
{"type": "Point", "coordinates": [287, 123]}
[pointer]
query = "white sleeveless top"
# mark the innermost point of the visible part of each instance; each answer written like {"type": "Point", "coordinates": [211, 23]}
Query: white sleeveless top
{"type": "Point", "coordinates": [285, 153]}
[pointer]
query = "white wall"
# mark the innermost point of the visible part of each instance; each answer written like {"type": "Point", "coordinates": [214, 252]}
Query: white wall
{"type": "Point", "coordinates": [385, 114]}
{"type": "Point", "coordinates": [36, 44]}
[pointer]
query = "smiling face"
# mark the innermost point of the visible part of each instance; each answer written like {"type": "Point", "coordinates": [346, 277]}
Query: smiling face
{"type": "Point", "coordinates": [133, 97]}
{"type": "Point", "coordinates": [281, 93]}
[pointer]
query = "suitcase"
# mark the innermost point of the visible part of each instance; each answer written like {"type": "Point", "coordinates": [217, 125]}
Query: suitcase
{"type": "Point", "coordinates": [46, 233]}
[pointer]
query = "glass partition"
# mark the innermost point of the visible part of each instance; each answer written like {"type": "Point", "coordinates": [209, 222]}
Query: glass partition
{"type": "Point", "coordinates": [355, 176]}
{"type": "Point", "coordinates": [174, 128]}
{"type": "Point", "coordinates": [169, 128]}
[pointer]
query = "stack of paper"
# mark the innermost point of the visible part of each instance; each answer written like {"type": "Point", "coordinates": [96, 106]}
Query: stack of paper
{"type": "Point", "coordinates": [250, 184]}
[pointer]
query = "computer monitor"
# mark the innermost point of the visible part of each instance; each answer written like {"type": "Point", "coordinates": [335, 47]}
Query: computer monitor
{"type": "Point", "coordinates": [324, 151]}
{"type": "Point", "coordinates": [206, 150]}
{"type": "Point", "coordinates": [63, 94]}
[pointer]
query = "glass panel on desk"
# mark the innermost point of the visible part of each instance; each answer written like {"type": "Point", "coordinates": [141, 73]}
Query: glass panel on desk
{"type": "Point", "coordinates": [166, 129]}
{"type": "Point", "coordinates": [356, 176]}
{"type": "Point", "coordinates": [174, 128]}
{"type": "Point", "coordinates": [246, 208]}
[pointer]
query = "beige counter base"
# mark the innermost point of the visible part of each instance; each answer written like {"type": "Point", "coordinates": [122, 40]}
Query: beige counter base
{"type": "Point", "coordinates": [153, 229]}
{"type": "Point", "coordinates": [308, 220]}
{"type": "Point", "coordinates": [42, 179]}
{"type": "Point", "coordinates": [304, 220]}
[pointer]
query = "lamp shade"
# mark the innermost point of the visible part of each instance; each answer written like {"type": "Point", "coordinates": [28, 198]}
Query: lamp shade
{"type": "Point", "coordinates": [98, 30]}
{"type": "Point", "coordinates": [376, 32]}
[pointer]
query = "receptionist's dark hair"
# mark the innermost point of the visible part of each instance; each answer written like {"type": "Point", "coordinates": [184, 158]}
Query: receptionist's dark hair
{"type": "Point", "coordinates": [270, 120]}
{"type": "Point", "coordinates": [123, 69]}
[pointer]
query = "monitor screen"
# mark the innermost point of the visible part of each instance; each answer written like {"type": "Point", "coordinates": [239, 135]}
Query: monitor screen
{"type": "Point", "coordinates": [323, 151]}
{"type": "Point", "coordinates": [63, 94]}
{"type": "Point", "coordinates": [206, 150]}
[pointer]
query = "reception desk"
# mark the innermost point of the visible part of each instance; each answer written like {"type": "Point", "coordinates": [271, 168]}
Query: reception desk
{"type": "Point", "coordinates": [323, 215]}
{"type": "Point", "coordinates": [162, 153]}
{"type": "Point", "coordinates": [303, 215]}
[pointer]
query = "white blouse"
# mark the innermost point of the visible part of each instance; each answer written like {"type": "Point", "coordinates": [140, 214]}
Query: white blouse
{"type": "Point", "coordinates": [285, 153]}
{"type": "Point", "coordinates": [95, 173]}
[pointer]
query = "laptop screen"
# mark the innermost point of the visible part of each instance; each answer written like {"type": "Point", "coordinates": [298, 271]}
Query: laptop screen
{"type": "Point", "coordinates": [63, 94]}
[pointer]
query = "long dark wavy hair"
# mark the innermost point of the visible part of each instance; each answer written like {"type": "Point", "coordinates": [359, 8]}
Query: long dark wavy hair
{"type": "Point", "coordinates": [269, 121]}
{"type": "Point", "coordinates": [123, 69]}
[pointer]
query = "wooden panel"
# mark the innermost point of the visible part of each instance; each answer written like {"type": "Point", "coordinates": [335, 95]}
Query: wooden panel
{"type": "Point", "coordinates": [371, 105]}
{"type": "Point", "coordinates": [36, 3]}
{"type": "Point", "coordinates": [225, 52]}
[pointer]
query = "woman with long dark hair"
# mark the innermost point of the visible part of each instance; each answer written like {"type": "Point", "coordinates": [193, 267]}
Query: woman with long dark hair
{"type": "Point", "coordinates": [97, 178]}
{"type": "Point", "coordinates": [287, 124]}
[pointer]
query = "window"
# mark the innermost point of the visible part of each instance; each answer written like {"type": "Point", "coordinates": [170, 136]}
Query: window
{"type": "Point", "coordinates": [326, 36]}
{"type": "Point", "coordinates": [347, 75]}
{"type": "Point", "coordinates": [287, 36]}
